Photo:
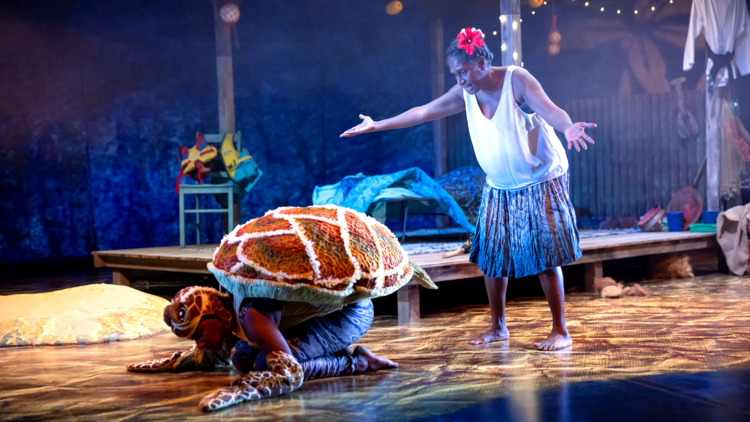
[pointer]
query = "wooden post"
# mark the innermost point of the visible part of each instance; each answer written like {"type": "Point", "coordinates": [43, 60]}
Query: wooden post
{"type": "Point", "coordinates": [408, 304]}
{"type": "Point", "coordinates": [224, 73]}
{"type": "Point", "coordinates": [437, 49]}
{"type": "Point", "coordinates": [592, 271]}
{"type": "Point", "coordinates": [713, 145]}
{"type": "Point", "coordinates": [121, 276]}
{"type": "Point", "coordinates": [225, 85]}
{"type": "Point", "coordinates": [510, 31]}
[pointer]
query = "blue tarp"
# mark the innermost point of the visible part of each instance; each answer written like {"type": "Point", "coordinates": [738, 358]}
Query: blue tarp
{"type": "Point", "coordinates": [358, 192]}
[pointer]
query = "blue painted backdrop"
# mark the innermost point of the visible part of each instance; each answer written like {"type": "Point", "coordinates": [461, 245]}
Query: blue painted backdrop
{"type": "Point", "coordinates": [96, 97]}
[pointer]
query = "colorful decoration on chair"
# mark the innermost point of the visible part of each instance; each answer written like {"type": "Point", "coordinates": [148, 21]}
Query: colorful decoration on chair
{"type": "Point", "coordinates": [196, 157]}
{"type": "Point", "coordinates": [240, 166]}
{"type": "Point", "coordinates": [316, 254]}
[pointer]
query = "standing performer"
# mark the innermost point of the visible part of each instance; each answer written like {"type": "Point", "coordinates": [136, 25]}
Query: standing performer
{"type": "Point", "coordinates": [527, 224]}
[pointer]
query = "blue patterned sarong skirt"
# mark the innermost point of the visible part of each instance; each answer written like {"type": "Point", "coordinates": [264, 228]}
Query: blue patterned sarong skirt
{"type": "Point", "coordinates": [524, 232]}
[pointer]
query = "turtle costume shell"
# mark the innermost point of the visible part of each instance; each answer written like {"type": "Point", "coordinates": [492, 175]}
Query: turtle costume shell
{"type": "Point", "coordinates": [319, 254]}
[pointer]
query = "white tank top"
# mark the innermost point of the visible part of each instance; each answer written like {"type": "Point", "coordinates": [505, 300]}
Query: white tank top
{"type": "Point", "coordinates": [515, 149]}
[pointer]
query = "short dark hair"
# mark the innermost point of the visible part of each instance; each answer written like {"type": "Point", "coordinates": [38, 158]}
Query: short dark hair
{"type": "Point", "coordinates": [453, 52]}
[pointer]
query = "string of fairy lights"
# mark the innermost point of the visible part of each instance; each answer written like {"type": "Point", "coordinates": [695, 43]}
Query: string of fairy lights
{"type": "Point", "coordinates": [608, 6]}
{"type": "Point", "coordinates": [553, 47]}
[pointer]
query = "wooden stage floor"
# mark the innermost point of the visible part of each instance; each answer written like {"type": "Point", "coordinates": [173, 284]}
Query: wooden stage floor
{"type": "Point", "coordinates": [686, 327]}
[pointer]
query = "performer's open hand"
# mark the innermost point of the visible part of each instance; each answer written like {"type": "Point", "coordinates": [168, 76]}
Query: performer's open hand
{"type": "Point", "coordinates": [575, 135]}
{"type": "Point", "coordinates": [367, 125]}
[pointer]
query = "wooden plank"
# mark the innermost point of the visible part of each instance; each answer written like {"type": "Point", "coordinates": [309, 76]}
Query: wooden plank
{"type": "Point", "coordinates": [683, 161]}
{"type": "Point", "coordinates": [205, 252]}
{"type": "Point", "coordinates": [157, 264]}
{"type": "Point", "coordinates": [601, 174]}
{"type": "Point", "coordinates": [408, 304]}
{"type": "Point", "coordinates": [644, 250]}
{"type": "Point", "coordinates": [652, 125]}
{"type": "Point", "coordinates": [572, 159]}
{"type": "Point", "coordinates": [634, 170]}
{"type": "Point", "coordinates": [622, 142]}
{"type": "Point", "coordinates": [668, 181]}
{"type": "Point", "coordinates": [613, 169]}
{"type": "Point", "coordinates": [175, 259]}
{"type": "Point", "coordinates": [224, 73]}
{"type": "Point", "coordinates": [606, 146]}
{"type": "Point", "coordinates": [713, 146]}
{"type": "Point", "coordinates": [586, 170]}
{"type": "Point", "coordinates": [192, 252]}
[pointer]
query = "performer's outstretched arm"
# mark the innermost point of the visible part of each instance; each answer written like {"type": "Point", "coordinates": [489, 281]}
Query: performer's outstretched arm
{"type": "Point", "coordinates": [452, 102]}
{"type": "Point", "coordinates": [528, 88]}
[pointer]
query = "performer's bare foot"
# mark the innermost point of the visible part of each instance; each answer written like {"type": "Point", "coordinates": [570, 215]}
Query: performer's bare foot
{"type": "Point", "coordinates": [368, 361]}
{"type": "Point", "coordinates": [555, 341]}
{"type": "Point", "coordinates": [493, 334]}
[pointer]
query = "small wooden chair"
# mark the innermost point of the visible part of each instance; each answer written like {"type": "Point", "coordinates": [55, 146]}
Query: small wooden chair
{"type": "Point", "coordinates": [230, 189]}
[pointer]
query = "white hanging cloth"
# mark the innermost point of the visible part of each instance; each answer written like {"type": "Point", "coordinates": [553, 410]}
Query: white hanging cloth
{"type": "Point", "coordinates": [726, 26]}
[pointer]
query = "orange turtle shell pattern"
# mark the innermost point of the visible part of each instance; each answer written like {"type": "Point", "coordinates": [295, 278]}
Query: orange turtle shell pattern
{"type": "Point", "coordinates": [319, 254]}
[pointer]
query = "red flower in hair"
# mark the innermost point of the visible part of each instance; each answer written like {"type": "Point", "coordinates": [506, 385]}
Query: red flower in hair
{"type": "Point", "coordinates": [468, 39]}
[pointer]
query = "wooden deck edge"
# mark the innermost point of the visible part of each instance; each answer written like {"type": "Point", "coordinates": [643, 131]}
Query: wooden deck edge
{"type": "Point", "coordinates": [157, 264]}
{"type": "Point", "coordinates": [465, 269]}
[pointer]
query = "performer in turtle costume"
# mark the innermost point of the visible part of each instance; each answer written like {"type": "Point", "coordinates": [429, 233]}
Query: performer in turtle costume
{"type": "Point", "coordinates": [296, 288]}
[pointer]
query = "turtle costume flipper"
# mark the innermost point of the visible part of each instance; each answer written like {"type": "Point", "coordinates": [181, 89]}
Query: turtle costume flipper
{"type": "Point", "coordinates": [284, 375]}
{"type": "Point", "coordinates": [191, 360]}
{"type": "Point", "coordinates": [420, 277]}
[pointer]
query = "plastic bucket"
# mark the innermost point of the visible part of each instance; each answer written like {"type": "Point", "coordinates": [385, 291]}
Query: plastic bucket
{"type": "Point", "coordinates": [709, 217]}
{"type": "Point", "coordinates": [674, 220]}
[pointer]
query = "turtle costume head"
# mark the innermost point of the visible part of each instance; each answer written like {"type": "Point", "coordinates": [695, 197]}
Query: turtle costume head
{"type": "Point", "coordinates": [191, 304]}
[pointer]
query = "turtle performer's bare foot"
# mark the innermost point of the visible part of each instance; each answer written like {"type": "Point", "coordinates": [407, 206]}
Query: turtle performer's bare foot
{"type": "Point", "coordinates": [494, 334]}
{"type": "Point", "coordinates": [368, 361]}
{"type": "Point", "coordinates": [555, 341]}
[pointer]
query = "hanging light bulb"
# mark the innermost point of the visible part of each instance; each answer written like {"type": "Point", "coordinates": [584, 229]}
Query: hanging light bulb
{"type": "Point", "coordinates": [393, 8]}
{"type": "Point", "coordinates": [229, 13]}
{"type": "Point", "coordinates": [554, 38]}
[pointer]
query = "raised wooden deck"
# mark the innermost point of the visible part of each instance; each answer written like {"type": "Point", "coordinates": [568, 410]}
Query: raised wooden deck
{"type": "Point", "coordinates": [596, 250]}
